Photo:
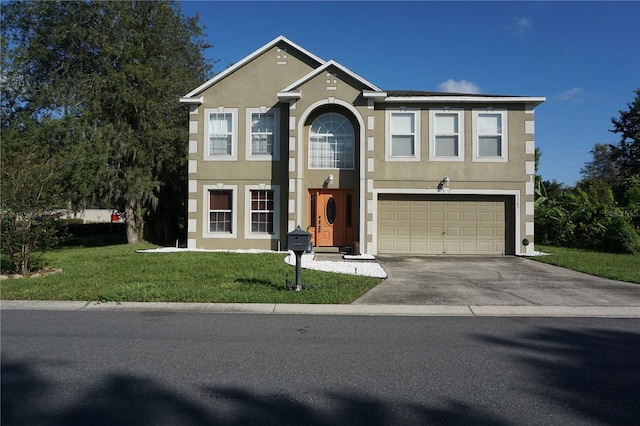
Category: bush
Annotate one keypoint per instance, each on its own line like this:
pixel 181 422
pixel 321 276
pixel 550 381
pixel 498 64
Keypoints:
pixel 620 237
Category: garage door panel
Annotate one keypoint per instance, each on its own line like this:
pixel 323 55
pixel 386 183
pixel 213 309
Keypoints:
pixel 438 227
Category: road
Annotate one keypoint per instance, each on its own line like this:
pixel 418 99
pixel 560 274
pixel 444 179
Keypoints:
pixel 173 368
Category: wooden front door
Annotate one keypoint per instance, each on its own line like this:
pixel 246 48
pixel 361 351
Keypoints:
pixel 331 213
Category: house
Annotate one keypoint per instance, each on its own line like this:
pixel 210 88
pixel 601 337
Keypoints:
pixel 284 138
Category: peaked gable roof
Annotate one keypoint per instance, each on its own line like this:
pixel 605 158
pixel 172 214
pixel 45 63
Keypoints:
pixel 323 68
pixel 189 97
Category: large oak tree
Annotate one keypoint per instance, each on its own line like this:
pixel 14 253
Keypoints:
pixel 113 71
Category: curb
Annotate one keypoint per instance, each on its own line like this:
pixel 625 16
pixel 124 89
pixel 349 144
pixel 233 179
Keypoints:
pixel 312 309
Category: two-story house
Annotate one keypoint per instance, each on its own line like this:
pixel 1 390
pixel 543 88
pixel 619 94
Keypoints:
pixel 284 138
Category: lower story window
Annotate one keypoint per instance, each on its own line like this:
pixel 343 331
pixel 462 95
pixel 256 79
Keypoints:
pixel 220 211
pixel 262 206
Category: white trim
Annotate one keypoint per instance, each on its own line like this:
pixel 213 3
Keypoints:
pixel 465 99
pixel 432 134
pixel 404 191
pixel 323 68
pixel 275 156
pixel 276 212
pixel 417 149
pixel 504 135
pixel 234 211
pixel 248 59
pixel 191 101
pixel 234 134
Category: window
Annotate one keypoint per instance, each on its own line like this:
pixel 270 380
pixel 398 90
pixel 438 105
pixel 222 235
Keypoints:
pixel 221 132
pixel 490 138
pixel 262 134
pixel 331 142
pixel 446 128
pixel 220 211
pixel 262 212
pixel 403 138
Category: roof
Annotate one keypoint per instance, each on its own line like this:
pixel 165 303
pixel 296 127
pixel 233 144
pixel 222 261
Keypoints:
pixel 372 92
pixel 191 96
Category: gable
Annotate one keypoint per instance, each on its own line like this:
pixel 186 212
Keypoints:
pixel 285 51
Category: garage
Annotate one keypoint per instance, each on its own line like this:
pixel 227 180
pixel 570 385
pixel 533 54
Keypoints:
pixel 445 224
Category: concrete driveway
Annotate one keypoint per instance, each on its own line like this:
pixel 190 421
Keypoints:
pixel 501 281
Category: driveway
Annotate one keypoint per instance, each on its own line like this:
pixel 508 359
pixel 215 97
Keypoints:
pixel 503 281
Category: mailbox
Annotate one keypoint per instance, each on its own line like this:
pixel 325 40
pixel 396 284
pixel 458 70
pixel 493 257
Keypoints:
pixel 298 240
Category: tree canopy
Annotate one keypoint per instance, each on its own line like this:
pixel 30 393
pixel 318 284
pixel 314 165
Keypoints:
pixel 627 152
pixel 112 73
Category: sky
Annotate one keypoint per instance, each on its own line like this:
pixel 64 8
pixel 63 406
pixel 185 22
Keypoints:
pixel 583 56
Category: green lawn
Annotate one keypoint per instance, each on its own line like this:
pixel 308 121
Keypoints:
pixel 622 267
pixel 118 273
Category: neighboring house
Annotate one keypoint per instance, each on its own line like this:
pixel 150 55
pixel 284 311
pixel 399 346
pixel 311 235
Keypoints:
pixel 284 138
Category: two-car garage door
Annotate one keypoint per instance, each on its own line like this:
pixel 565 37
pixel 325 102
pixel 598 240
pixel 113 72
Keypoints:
pixel 413 224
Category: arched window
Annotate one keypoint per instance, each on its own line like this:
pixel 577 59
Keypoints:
pixel 331 142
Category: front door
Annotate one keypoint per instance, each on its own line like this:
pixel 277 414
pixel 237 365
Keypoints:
pixel 331 213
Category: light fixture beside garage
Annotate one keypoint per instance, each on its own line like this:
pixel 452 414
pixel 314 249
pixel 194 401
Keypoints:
pixel 328 181
pixel 443 183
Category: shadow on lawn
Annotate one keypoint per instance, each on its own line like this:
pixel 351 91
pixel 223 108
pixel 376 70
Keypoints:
pixel 593 372
pixel 129 400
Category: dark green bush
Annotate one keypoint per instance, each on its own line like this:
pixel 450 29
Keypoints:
pixel 620 237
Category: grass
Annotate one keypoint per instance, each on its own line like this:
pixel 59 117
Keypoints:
pixel 115 272
pixel 621 267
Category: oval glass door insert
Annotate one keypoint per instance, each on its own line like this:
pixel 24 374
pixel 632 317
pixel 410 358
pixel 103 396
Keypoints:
pixel 331 211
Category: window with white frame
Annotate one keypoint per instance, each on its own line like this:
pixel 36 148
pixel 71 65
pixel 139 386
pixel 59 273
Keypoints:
pixel 262 211
pixel 446 128
pixel 490 136
pixel 403 135
pixel 220 212
pixel 262 134
pixel 221 133
pixel 331 142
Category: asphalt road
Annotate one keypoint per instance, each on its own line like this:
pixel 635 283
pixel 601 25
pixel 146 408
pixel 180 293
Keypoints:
pixel 161 368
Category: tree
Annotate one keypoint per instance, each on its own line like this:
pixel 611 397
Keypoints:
pixel 33 191
pixel 602 165
pixel 113 71
pixel 627 152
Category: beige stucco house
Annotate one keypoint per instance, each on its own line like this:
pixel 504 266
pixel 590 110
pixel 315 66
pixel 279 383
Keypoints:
pixel 284 138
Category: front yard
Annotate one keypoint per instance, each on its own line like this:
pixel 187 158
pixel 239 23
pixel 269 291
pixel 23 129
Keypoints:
pixel 118 273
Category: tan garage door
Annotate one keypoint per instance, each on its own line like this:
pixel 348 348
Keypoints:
pixel 418 226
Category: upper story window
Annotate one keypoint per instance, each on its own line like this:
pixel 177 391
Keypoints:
pixel 490 136
pixel 446 128
pixel 262 134
pixel 403 135
pixel 221 133
pixel 331 142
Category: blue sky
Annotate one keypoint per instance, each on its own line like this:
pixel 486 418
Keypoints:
pixel 584 57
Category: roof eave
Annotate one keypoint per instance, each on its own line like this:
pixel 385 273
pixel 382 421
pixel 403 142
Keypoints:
pixel 463 99
pixel 191 101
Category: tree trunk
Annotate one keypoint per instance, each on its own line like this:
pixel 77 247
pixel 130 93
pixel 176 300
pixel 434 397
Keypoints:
pixel 130 218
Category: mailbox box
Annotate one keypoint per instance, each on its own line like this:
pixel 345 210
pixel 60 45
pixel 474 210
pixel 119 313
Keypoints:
pixel 298 240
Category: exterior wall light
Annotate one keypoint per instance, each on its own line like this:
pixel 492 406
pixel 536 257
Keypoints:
pixel 444 182
pixel 328 181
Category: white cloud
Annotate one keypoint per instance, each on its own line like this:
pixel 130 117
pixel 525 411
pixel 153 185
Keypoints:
pixel 458 86
pixel 574 94
pixel 522 25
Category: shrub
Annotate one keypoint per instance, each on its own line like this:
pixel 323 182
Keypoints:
pixel 620 237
